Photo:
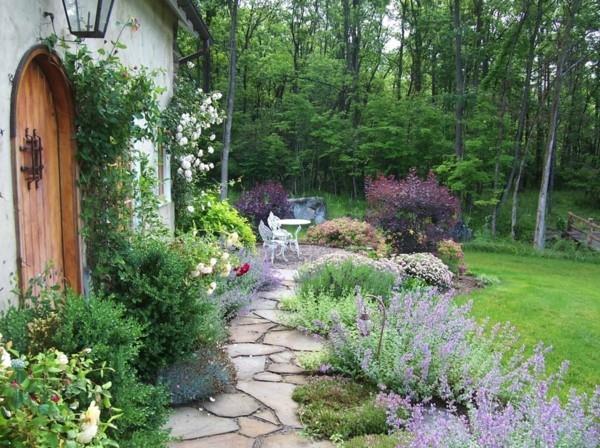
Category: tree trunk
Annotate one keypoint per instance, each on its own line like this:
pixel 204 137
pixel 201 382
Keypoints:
pixel 233 7
pixel 459 148
pixel 564 40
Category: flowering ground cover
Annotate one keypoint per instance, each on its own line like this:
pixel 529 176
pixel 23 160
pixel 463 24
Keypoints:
pixel 557 301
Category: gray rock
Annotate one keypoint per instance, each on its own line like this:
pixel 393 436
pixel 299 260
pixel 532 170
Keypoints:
pixel 313 208
pixel 283 356
pixel 232 405
pixel 190 423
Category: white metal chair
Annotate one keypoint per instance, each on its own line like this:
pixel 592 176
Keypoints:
pixel 282 234
pixel 271 242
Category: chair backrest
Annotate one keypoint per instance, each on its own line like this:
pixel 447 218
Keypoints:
pixel 274 221
pixel 265 233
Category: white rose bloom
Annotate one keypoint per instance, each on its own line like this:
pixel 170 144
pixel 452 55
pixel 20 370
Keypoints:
pixel 200 153
pixel 197 163
pixel 190 65
pixel 186 165
pixel 180 171
pixel 62 359
pixel 226 270
pixel 179 135
pixel 213 261
pixel 179 128
pixel 5 361
pixel 89 424
pixel 190 208
pixel 225 256
pixel 140 123
pixel 188 174
pixel 211 149
pixel 211 288
pixel 212 137
pixel 183 141
pixel 211 165
pixel 87 434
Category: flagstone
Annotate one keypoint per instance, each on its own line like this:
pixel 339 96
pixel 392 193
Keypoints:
pixel 285 368
pixel 294 340
pixel 277 396
pixel 247 349
pixel 299 380
pixel 263 304
pixel 252 427
pixel 247 366
pixel 190 423
pixel 248 333
pixel 283 356
pixel 268 376
pixel 232 405
pixel 225 440
pixel 268 415
pixel 277 316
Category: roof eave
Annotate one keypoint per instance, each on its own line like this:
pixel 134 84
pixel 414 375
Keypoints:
pixel 188 14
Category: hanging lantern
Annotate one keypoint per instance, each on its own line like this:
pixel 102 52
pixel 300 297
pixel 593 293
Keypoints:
pixel 88 18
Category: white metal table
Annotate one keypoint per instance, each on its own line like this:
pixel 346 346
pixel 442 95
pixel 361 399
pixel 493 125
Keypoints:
pixel 295 222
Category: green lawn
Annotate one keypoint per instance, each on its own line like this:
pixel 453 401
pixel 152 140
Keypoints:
pixel 555 301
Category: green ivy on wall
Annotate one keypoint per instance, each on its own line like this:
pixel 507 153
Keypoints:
pixel 115 106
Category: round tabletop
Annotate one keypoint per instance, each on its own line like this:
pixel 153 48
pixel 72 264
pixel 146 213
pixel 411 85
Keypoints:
pixel 294 222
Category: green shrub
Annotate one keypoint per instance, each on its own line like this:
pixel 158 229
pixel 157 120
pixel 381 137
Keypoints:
pixel 348 233
pixel 338 280
pixel 48 400
pixel 312 311
pixel 339 408
pixel 115 339
pixel 157 287
pixel 213 217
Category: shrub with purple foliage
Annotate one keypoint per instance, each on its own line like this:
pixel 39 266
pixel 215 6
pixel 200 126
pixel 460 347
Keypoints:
pixel 257 203
pixel 416 213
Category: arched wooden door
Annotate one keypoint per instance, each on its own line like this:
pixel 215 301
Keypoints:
pixel 44 170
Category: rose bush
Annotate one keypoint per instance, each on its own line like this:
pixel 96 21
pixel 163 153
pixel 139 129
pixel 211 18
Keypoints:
pixel 48 400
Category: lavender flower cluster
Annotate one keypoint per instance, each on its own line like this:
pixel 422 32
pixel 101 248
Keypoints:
pixel 424 348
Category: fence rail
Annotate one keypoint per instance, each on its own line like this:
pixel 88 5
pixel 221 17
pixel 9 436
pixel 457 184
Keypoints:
pixel 586 231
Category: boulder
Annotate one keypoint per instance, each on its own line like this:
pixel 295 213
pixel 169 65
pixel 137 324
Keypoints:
pixel 312 208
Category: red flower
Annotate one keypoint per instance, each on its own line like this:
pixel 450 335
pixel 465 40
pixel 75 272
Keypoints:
pixel 241 270
pixel 55 398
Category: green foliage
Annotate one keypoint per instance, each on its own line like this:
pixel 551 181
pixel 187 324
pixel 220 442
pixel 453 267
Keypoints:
pixel 339 408
pixel 373 441
pixel 101 325
pixel 109 97
pixel 156 286
pixel 49 400
pixel 338 280
pixel 212 217
pixel 312 311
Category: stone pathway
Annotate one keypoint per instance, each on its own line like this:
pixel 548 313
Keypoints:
pixel 258 412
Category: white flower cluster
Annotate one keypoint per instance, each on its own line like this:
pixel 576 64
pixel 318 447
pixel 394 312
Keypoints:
pixel 89 424
pixel 189 130
pixel 221 266
pixel 427 267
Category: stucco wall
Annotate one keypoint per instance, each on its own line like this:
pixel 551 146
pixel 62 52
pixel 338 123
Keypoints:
pixel 22 25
